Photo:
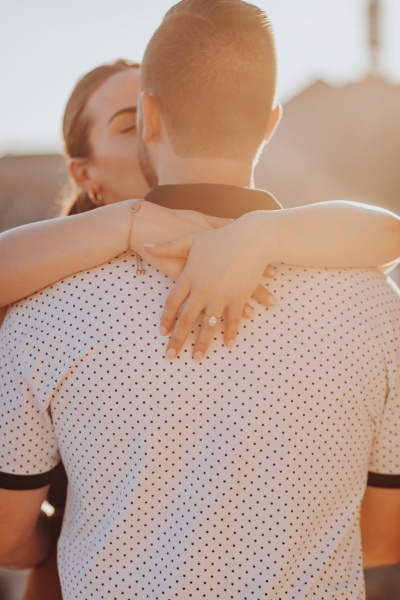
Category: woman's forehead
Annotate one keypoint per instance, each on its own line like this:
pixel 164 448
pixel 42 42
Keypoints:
pixel 117 93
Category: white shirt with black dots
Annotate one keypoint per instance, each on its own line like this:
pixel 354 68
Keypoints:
pixel 240 477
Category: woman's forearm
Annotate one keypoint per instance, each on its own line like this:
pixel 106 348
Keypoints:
pixel 38 254
pixel 331 234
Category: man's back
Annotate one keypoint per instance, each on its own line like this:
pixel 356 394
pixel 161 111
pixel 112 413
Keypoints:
pixel 240 477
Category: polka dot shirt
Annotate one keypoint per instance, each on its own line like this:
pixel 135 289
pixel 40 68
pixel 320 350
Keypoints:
pixel 237 478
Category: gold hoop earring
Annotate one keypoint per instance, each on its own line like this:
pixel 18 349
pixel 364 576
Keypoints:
pixel 96 199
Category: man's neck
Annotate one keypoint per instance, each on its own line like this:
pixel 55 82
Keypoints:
pixel 205 170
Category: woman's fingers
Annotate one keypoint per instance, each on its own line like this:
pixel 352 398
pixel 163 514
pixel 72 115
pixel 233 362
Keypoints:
pixel 217 222
pixel 270 272
pixel 231 322
pixel 175 301
pixel 211 321
pixel 173 249
pixel 188 317
pixel 263 296
pixel 183 307
pixel 183 326
pixel 247 311
pixel 206 279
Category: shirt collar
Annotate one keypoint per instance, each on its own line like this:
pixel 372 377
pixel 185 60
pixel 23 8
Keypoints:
pixel 212 199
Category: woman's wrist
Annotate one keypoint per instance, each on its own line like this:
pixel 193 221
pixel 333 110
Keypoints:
pixel 264 228
pixel 122 226
pixel 149 223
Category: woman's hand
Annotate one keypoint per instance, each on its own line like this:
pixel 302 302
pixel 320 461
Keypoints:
pixel 223 269
pixel 165 225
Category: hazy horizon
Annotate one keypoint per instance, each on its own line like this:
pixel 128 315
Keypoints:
pixel 46 46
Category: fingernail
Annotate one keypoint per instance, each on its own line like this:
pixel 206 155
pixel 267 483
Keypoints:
pixel 231 344
pixel 171 354
pixel 248 311
pixel 163 330
pixel 198 356
pixel 149 245
pixel 273 301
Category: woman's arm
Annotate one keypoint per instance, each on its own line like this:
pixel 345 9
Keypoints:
pixel 38 254
pixel 332 234
pixel 329 234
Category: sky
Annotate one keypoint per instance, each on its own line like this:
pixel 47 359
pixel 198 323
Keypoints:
pixel 46 45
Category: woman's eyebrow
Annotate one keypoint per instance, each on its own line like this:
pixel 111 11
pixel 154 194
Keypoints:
pixel 130 110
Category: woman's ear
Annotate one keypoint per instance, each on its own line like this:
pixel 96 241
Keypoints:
pixel 276 115
pixel 151 118
pixel 80 173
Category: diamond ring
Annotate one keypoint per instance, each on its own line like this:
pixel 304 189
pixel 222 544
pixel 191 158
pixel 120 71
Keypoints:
pixel 212 321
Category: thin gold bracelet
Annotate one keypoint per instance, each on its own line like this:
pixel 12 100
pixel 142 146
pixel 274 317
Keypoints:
pixel 135 207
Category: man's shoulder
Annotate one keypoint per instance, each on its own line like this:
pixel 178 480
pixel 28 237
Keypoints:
pixel 366 291
pixel 69 290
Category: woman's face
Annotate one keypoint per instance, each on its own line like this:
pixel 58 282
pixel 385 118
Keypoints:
pixel 114 166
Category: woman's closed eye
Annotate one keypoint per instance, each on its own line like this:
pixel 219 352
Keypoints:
pixel 128 129
pixel 124 121
pixel 124 124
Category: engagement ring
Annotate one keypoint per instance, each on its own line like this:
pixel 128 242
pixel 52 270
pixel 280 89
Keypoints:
pixel 212 321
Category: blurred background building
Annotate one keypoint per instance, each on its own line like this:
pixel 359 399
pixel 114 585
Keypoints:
pixel 339 143
pixel 336 141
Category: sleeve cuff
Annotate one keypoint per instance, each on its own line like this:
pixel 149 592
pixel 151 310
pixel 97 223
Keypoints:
pixel 383 481
pixel 10 481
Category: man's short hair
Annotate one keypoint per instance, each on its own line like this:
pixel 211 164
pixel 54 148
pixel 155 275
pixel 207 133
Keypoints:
pixel 211 65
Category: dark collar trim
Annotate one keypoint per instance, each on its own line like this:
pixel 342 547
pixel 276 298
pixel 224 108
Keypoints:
pixel 213 199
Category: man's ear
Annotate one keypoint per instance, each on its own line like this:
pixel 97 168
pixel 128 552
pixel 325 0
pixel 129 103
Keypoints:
pixel 80 173
pixel 276 115
pixel 151 118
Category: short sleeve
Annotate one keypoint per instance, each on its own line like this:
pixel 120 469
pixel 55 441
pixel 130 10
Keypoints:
pixel 29 456
pixel 384 466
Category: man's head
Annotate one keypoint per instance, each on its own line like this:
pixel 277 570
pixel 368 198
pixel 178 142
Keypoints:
pixel 211 69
